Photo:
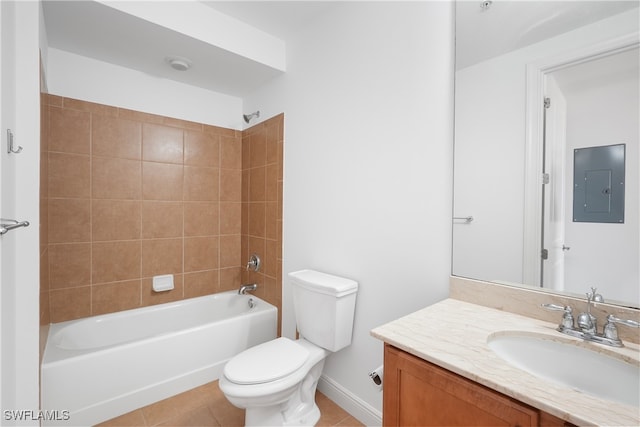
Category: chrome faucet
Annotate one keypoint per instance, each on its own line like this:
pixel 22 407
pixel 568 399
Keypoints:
pixel 587 323
pixel 245 288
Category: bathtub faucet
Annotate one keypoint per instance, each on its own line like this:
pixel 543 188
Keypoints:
pixel 244 288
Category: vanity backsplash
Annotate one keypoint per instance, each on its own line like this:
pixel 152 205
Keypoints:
pixel 528 302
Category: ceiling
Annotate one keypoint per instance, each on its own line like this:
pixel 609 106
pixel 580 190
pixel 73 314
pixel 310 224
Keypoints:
pixel 503 26
pixel 102 32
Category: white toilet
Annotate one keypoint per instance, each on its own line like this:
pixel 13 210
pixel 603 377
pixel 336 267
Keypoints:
pixel 276 381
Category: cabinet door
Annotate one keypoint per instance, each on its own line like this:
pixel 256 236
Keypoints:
pixel 418 393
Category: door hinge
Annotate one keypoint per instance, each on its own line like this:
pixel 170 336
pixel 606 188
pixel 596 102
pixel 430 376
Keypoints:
pixel 544 254
pixel 545 178
pixel 547 102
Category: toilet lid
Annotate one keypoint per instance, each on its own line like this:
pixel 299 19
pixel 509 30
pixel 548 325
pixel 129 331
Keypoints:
pixel 266 362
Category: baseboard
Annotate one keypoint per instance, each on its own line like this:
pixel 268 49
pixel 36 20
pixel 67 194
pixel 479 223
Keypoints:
pixel 358 408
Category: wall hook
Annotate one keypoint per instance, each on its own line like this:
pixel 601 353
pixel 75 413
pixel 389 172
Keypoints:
pixel 10 148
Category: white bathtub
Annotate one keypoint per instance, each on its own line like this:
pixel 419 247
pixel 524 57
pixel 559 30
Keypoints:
pixel 104 366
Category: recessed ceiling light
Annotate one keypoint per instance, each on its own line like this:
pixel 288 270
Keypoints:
pixel 178 63
pixel 485 5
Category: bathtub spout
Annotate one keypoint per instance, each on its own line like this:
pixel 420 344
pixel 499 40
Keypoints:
pixel 245 288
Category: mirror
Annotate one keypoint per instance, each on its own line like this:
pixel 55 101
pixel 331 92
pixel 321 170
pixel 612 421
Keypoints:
pixel 514 184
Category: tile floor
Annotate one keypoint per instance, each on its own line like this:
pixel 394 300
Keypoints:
pixel 207 406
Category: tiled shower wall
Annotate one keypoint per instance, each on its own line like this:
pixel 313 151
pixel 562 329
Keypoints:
pixel 131 195
pixel 262 147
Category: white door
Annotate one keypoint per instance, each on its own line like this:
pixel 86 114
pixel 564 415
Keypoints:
pixel 19 200
pixel 554 190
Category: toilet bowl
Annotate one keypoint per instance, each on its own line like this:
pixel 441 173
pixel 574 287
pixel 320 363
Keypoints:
pixel 279 386
pixel 275 382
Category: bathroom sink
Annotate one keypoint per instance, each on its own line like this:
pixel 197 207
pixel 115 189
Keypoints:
pixel 569 363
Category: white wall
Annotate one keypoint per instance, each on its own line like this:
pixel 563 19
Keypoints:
pixel 605 255
pixel 489 151
pixel 79 77
pixel 368 167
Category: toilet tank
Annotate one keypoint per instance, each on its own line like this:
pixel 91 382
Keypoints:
pixel 324 307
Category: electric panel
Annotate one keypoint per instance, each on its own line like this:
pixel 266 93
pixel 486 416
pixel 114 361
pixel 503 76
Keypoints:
pixel 598 184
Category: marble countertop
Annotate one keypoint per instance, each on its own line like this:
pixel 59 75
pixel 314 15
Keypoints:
pixel 453 334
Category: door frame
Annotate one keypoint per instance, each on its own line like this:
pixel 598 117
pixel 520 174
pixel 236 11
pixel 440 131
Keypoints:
pixel 20 287
pixel 534 95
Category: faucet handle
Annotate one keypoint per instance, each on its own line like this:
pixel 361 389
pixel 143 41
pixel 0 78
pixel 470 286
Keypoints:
pixel 556 307
pixel 567 317
pixel 611 331
pixel 627 322
pixel 253 263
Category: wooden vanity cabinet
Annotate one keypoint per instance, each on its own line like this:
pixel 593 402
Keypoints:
pixel 419 393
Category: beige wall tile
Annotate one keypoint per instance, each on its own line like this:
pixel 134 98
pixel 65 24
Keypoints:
pixel 44 174
pixel 53 100
pixel 257 184
pixel 258 150
pixel 116 137
pixel 246 151
pixel 115 220
pixel 230 278
pixel 272 144
pixel 69 130
pixel 45 317
pixel 161 256
pixel 230 152
pixel 162 143
pixel 201 283
pixel 69 220
pixel 257 224
pixel 271 220
pixel 271 183
pixel 69 175
pixel 201 183
pixel 91 107
pixel 246 174
pixel 230 184
pixel 44 270
pixel 139 116
pixel 69 304
pixel 115 261
pixel 201 149
pixel 230 218
pixel 270 258
pixel 200 253
pixel 230 247
pixel 182 124
pixel 115 178
pixel 161 181
pixel 201 218
pixel 112 297
pixel 225 132
pixel 69 265
pixel 161 219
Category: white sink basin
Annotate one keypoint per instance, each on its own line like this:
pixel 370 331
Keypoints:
pixel 568 363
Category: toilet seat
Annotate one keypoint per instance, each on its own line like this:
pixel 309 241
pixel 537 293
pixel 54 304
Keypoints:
pixel 266 362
